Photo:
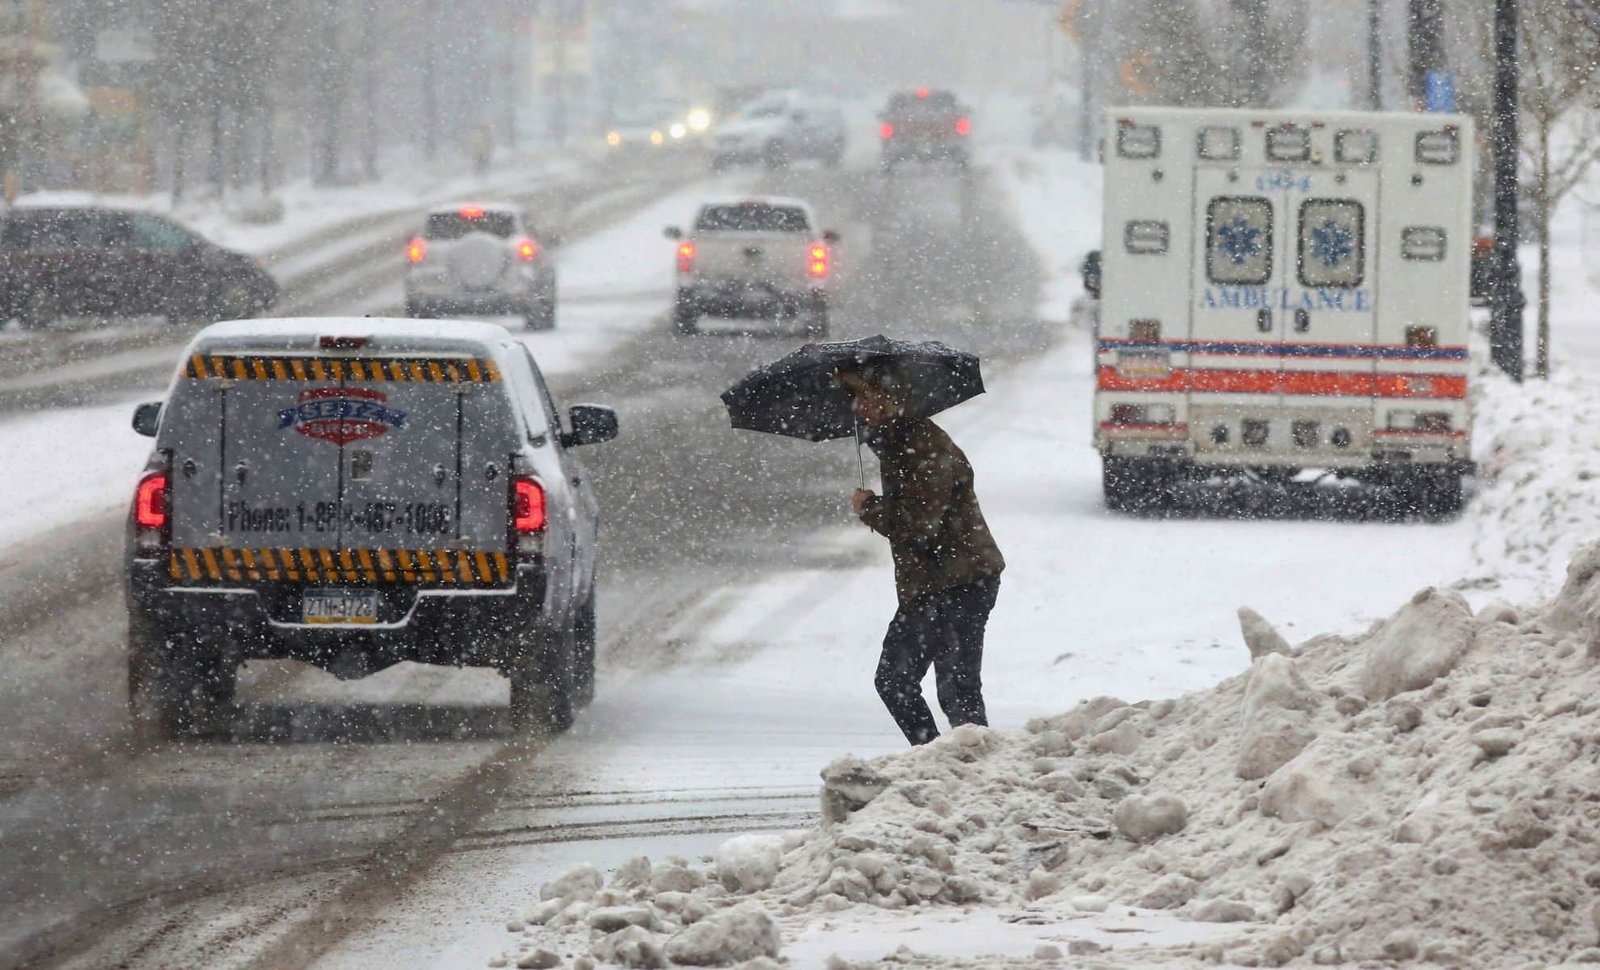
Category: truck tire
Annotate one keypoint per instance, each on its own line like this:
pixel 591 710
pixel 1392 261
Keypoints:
pixel 541 684
pixel 177 689
pixel 586 639
pixel 685 315
pixel 1136 485
pixel 1434 495
pixel 540 315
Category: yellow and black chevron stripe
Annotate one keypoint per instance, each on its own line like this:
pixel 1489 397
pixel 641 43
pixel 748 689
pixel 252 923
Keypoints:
pixel 447 370
pixel 432 567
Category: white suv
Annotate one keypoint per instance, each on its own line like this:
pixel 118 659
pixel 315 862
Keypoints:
pixel 475 258
pixel 760 257
pixel 779 128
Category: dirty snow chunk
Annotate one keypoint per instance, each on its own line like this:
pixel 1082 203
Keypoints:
pixel 1272 739
pixel 1169 892
pixel 634 946
pixel 1311 787
pixel 1090 904
pixel 744 932
pixel 674 878
pixel 540 959
pixel 849 785
pixel 1276 683
pixel 1418 645
pixel 1121 740
pixel 1495 743
pixel 1223 911
pixel 581 881
pixel 1145 819
pixel 634 872
pixel 1261 637
pixel 749 863
pixel 1046 951
pixel 609 919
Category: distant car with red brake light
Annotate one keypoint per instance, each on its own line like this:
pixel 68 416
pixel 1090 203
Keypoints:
pixel 924 125
pixel 473 258
pixel 354 493
pixel 757 257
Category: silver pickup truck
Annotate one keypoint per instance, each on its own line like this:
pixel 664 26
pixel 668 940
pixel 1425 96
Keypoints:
pixel 353 493
pixel 760 257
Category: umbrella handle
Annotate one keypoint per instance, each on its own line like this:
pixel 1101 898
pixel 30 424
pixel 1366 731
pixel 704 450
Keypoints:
pixel 861 466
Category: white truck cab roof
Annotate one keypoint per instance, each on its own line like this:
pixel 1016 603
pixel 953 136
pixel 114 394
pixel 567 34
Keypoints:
pixel 381 335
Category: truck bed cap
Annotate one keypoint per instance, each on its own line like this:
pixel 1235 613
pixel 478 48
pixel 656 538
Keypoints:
pixel 387 335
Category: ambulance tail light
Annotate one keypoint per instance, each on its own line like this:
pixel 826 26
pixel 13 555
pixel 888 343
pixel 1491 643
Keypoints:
pixel 686 253
pixel 1143 414
pixel 528 515
pixel 152 516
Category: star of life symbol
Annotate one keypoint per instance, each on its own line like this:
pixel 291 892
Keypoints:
pixel 1332 242
pixel 1239 240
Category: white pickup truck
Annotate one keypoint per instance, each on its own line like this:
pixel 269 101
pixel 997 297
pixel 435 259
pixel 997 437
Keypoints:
pixel 759 257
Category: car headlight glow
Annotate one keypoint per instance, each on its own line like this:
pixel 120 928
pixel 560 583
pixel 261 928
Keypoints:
pixel 678 130
pixel 699 119
pixel 613 138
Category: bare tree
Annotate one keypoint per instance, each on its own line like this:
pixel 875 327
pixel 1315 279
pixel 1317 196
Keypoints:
pixel 1560 92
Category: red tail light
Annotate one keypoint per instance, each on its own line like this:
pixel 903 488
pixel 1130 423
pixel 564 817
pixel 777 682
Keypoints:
pixel 527 250
pixel 686 253
pixel 150 501
pixel 818 264
pixel 886 131
pixel 416 249
pixel 472 212
pixel 527 506
pixel 922 92
pixel 963 127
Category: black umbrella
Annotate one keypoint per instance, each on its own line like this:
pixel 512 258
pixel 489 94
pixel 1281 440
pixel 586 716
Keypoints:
pixel 798 395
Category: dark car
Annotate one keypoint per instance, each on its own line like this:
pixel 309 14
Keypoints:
pixel 88 261
pixel 924 126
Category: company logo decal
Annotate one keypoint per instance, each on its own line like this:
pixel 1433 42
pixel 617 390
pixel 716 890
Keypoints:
pixel 1239 240
pixel 341 414
pixel 1332 243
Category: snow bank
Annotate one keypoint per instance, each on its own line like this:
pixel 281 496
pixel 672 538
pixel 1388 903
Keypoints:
pixel 1436 799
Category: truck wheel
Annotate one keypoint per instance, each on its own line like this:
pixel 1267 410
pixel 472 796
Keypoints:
pixel 685 315
pixel 586 637
pixel 541 684
pixel 541 315
pixel 1432 494
pixel 176 689
pixel 1134 485
pixel 817 318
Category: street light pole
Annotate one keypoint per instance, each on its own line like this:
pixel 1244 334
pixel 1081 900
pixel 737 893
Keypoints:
pixel 1505 327
pixel 1374 55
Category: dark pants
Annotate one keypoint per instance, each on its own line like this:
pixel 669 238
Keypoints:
pixel 944 629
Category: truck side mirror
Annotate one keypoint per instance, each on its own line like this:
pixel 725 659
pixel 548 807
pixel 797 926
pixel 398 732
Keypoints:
pixel 591 424
pixel 672 232
pixel 831 237
pixel 147 418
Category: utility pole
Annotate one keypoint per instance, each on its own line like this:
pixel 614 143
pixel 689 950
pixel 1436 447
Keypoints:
pixel 1425 47
pixel 1375 55
pixel 1505 327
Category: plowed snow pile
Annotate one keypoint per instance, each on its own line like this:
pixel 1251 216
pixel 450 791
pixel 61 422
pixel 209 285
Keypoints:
pixel 1428 791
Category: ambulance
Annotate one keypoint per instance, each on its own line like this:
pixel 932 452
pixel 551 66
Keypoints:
pixel 1284 293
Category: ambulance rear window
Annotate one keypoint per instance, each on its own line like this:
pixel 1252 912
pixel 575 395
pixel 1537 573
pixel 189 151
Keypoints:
pixel 1288 143
pixel 1332 252
pixel 1239 240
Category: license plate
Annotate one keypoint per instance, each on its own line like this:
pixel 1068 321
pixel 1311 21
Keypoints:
pixel 339 606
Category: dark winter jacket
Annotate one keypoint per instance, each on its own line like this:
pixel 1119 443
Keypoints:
pixel 928 511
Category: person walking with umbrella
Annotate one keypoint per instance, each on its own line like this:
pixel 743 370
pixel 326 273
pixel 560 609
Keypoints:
pixel 946 563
